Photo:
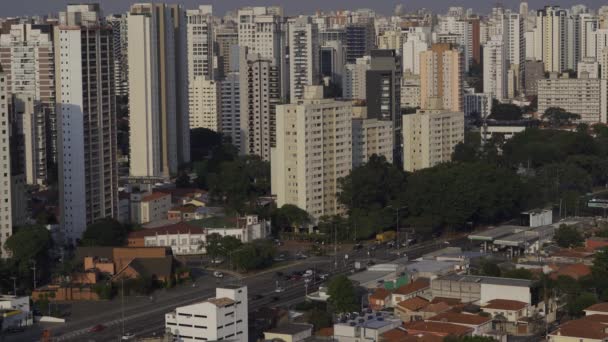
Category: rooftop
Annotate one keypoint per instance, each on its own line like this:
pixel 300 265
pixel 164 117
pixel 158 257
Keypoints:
pixel 400 335
pixel 413 304
pixel 220 302
pixel 154 196
pixel 437 327
pixel 601 307
pixel 498 232
pixel 380 294
pixel 430 266
pixel 415 286
pixel 216 222
pixel 505 304
pixel 291 329
pixel 369 276
pixel 460 318
pixel 487 280
pixel 582 329
pixel 177 228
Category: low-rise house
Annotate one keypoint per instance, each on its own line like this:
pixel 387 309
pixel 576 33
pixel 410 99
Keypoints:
pixel 571 256
pixel 592 328
pixel 595 242
pixel 575 271
pixel 367 328
pixel 409 309
pixel 411 290
pixel 431 269
pixel 401 335
pixel 481 289
pixel 291 332
pixel 481 325
pixel 597 309
pixel 379 299
pixel 149 207
pixel 437 328
pixel 508 315
pixel 181 196
pixel 186 212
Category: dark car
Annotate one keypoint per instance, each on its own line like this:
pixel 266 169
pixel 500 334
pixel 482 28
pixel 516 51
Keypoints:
pixel 97 328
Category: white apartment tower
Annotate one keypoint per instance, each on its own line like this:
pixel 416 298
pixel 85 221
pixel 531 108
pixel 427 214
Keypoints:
pixel 86 112
pixel 223 318
pixel 12 180
pixel 430 136
pixel 552 25
pixel 370 136
pixel 313 151
pixel 158 90
pixel 411 54
pixel 303 56
pixel 260 92
pixel 26 55
pixel 205 104
pixel 120 51
pixel 200 58
pixel 495 68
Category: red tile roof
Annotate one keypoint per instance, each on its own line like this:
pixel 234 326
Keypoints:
pixel 188 208
pixel 437 307
pixel 505 304
pixel 400 335
pixel 602 307
pixel 582 329
pixel 413 287
pixel 178 228
pixel 154 196
pixel 575 271
pixel 460 318
pixel 413 304
pixel 597 318
pixel 325 332
pixel 448 301
pixel 437 327
pixel 380 294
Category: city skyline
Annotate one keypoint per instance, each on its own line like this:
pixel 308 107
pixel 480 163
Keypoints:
pixel 41 7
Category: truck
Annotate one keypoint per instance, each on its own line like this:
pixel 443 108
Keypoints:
pixel 386 236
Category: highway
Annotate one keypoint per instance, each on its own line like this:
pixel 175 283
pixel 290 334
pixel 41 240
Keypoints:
pixel 144 316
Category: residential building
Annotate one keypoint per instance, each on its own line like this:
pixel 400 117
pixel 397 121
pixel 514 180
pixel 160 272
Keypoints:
pixel 332 61
pixel 481 325
pixel 230 108
pixel 442 329
pixel 158 90
pixel 480 289
pixel 411 53
pixel 314 150
pixel 199 27
pixel 410 91
pixel 226 39
pixel 535 71
pixel 479 103
pixel 149 207
pixel 379 299
pixel 120 53
pixel 16 312
pixel 12 178
pixel 360 40
pixel 441 77
pixel 27 58
pixel 584 96
pixel 370 136
pixel 86 112
pixel 414 289
pixel 303 56
pixel 586 329
pixel 409 309
pixel 205 104
pixel 392 40
pixel 588 67
pixel 354 83
pixel 430 136
pixel 501 130
pixel 551 25
pixel 383 93
pixel 290 332
pixel 224 317
pixel 260 92
pixel 365 328
pixel 495 69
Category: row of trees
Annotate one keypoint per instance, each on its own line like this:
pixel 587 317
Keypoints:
pixel 241 256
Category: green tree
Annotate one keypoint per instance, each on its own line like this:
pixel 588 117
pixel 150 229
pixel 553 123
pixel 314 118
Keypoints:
pixel 505 112
pixel 490 269
pixel 518 273
pixel 182 180
pixel 580 303
pixel 342 294
pixel 105 232
pixel 29 243
pixel 218 246
pixel 568 236
pixel 599 270
pixel 319 318
pixel 290 216
pixel 567 285
pixel 202 142
pixel 558 117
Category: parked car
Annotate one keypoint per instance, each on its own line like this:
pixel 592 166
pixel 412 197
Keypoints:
pixel 323 276
pixel 97 328
pixel 217 261
pixel 279 289
pixel 128 336
pixel 218 274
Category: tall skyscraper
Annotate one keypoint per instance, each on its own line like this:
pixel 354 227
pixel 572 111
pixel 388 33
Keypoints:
pixel 332 60
pixel 360 40
pixel 314 150
pixel 88 172
pixel 303 56
pixel 200 44
pixel 411 53
pixel 552 24
pixel 495 68
pixel 226 37
pixel 158 90
pixel 441 77
pixel 260 85
pixel 26 55
pixel 230 106
pixel 383 89
pixel 205 104
pixel 12 178
pixel 120 53
pixel 355 79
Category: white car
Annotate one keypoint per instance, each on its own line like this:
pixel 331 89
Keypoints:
pixel 279 290
pixel 218 274
pixel 127 336
pixel 217 261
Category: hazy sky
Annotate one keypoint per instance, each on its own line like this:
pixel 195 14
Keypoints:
pixel 29 7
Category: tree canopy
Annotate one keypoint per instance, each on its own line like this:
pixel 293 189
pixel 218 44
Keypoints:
pixel 559 117
pixel 342 294
pixel 505 112
pixel 105 232
pixel 568 236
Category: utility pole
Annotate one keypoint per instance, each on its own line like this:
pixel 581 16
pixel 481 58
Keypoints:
pixel 34 269
pixel 14 286
pixel 335 247
pixel 122 304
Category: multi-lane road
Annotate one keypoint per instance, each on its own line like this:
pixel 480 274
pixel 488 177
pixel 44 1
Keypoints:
pixel 144 316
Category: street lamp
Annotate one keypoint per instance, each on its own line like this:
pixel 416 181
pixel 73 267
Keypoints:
pixel 397 209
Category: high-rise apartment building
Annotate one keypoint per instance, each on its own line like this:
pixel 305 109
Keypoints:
pixel 303 56
pixel 230 107
pixel 332 61
pixel 200 43
pixel 383 92
pixel 205 104
pixel 86 112
pixel 552 26
pixel 360 40
pixel 410 91
pixel 411 53
pixel 370 136
pixel 585 96
pixel 430 136
pixel 12 179
pixel 495 68
pixel 226 38
pixel 158 90
pixel 120 53
pixel 260 91
pixel 26 55
pixel 313 151
pixel 441 77
pixel 354 82
pixel 224 317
